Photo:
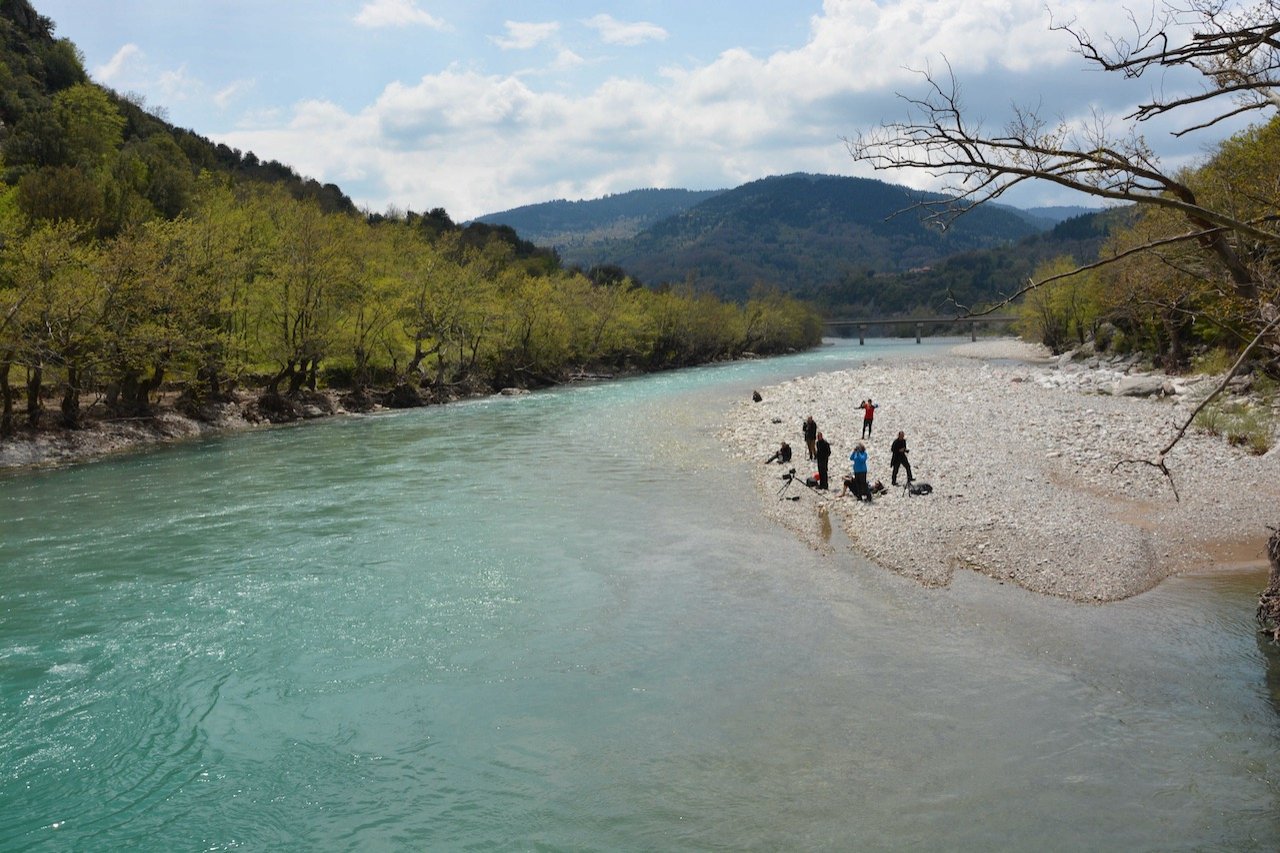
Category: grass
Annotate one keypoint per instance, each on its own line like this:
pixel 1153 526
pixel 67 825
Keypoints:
pixel 1244 426
pixel 1214 362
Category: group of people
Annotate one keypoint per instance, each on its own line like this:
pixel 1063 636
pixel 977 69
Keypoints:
pixel 819 450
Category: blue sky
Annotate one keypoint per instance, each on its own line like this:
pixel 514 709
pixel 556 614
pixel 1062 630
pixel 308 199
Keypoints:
pixel 480 106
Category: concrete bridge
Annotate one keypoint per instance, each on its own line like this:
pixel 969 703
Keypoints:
pixel 974 323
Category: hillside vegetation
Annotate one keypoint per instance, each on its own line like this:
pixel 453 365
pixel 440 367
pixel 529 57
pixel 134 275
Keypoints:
pixel 802 234
pixel 135 257
pixel 578 230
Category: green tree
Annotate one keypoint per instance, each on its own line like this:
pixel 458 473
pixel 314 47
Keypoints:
pixel 92 126
pixel 58 315
pixel 309 262
pixel 373 294
pixel 1064 311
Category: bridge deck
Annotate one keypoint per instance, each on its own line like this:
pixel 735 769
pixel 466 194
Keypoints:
pixel 920 323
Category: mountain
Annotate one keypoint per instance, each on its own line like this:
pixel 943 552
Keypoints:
pixel 63 175
pixel 798 232
pixel 1047 217
pixel 581 227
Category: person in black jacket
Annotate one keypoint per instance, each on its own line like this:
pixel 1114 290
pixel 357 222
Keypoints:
pixel 822 454
pixel 810 430
pixel 898 458
pixel 782 456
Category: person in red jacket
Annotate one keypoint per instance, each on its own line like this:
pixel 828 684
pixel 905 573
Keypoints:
pixel 868 415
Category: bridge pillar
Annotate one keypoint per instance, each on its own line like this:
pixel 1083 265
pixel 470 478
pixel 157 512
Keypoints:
pixel 918 325
pixel 862 334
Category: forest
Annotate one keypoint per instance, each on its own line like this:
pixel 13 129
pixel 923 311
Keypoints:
pixel 1149 289
pixel 138 259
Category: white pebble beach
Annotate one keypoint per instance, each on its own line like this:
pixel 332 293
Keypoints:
pixel 1021 451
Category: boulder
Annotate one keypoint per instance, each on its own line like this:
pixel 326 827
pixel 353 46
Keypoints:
pixel 1138 386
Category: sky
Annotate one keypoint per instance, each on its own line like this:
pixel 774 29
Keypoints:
pixel 479 106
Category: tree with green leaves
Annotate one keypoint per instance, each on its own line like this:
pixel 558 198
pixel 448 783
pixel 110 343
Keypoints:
pixel 298 295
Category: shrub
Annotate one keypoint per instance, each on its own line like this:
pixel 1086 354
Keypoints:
pixel 1213 362
pixel 1249 428
pixel 1209 419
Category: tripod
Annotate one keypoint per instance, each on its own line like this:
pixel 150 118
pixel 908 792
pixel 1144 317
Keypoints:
pixel 787 479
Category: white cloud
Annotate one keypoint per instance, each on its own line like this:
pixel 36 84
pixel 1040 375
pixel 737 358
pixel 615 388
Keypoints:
pixel 396 13
pixel 475 143
pixel 117 64
pixel 567 59
pixel 177 85
pixel 224 96
pixel 523 36
pixel 613 31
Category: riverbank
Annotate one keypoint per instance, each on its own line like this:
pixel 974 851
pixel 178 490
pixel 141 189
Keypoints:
pixel 1022 453
pixel 102 437
pixel 99 437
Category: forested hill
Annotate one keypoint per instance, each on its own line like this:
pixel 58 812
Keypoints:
pixel 579 228
pixel 968 279
pixel 157 164
pixel 800 232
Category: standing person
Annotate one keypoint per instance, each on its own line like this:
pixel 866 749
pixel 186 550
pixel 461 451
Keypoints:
pixel 868 415
pixel 859 459
pixel 822 452
pixel 810 430
pixel 898 458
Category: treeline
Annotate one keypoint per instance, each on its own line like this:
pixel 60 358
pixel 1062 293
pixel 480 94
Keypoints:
pixel 967 280
pixel 249 284
pixel 1157 291
pixel 135 257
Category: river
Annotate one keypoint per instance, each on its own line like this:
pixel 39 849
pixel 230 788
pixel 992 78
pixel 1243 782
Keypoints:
pixel 557 622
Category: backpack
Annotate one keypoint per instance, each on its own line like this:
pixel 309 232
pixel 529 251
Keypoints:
pixel 919 489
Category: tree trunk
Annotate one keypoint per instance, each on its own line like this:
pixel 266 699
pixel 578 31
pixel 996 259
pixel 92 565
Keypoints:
pixel 1269 601
pixel 71 400
pixel 273 384
pixel 128 395
pixel 34 380
pixel 296 378
pixel 150 387
pixel 6 397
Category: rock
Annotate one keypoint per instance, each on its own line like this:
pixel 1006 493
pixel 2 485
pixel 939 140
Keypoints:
pixel 1138 386
pixel 513 392
pixel 402 396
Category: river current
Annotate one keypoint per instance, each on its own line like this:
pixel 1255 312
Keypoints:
pixel 558 622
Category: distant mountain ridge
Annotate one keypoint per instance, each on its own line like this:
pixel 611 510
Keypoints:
pixel 799 232
pixel 570 226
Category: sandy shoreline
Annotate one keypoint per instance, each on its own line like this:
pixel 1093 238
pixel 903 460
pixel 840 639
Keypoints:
pixel 1020 456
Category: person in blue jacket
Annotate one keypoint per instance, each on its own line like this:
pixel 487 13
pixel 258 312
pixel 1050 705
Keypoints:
pixel 859 459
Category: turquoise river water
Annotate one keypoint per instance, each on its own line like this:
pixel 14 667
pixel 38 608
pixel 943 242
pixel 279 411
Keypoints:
pixel 557 622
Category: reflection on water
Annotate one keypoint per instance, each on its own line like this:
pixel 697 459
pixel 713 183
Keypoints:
pixel 1270 653
pixel 824 523
pixel 558 622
